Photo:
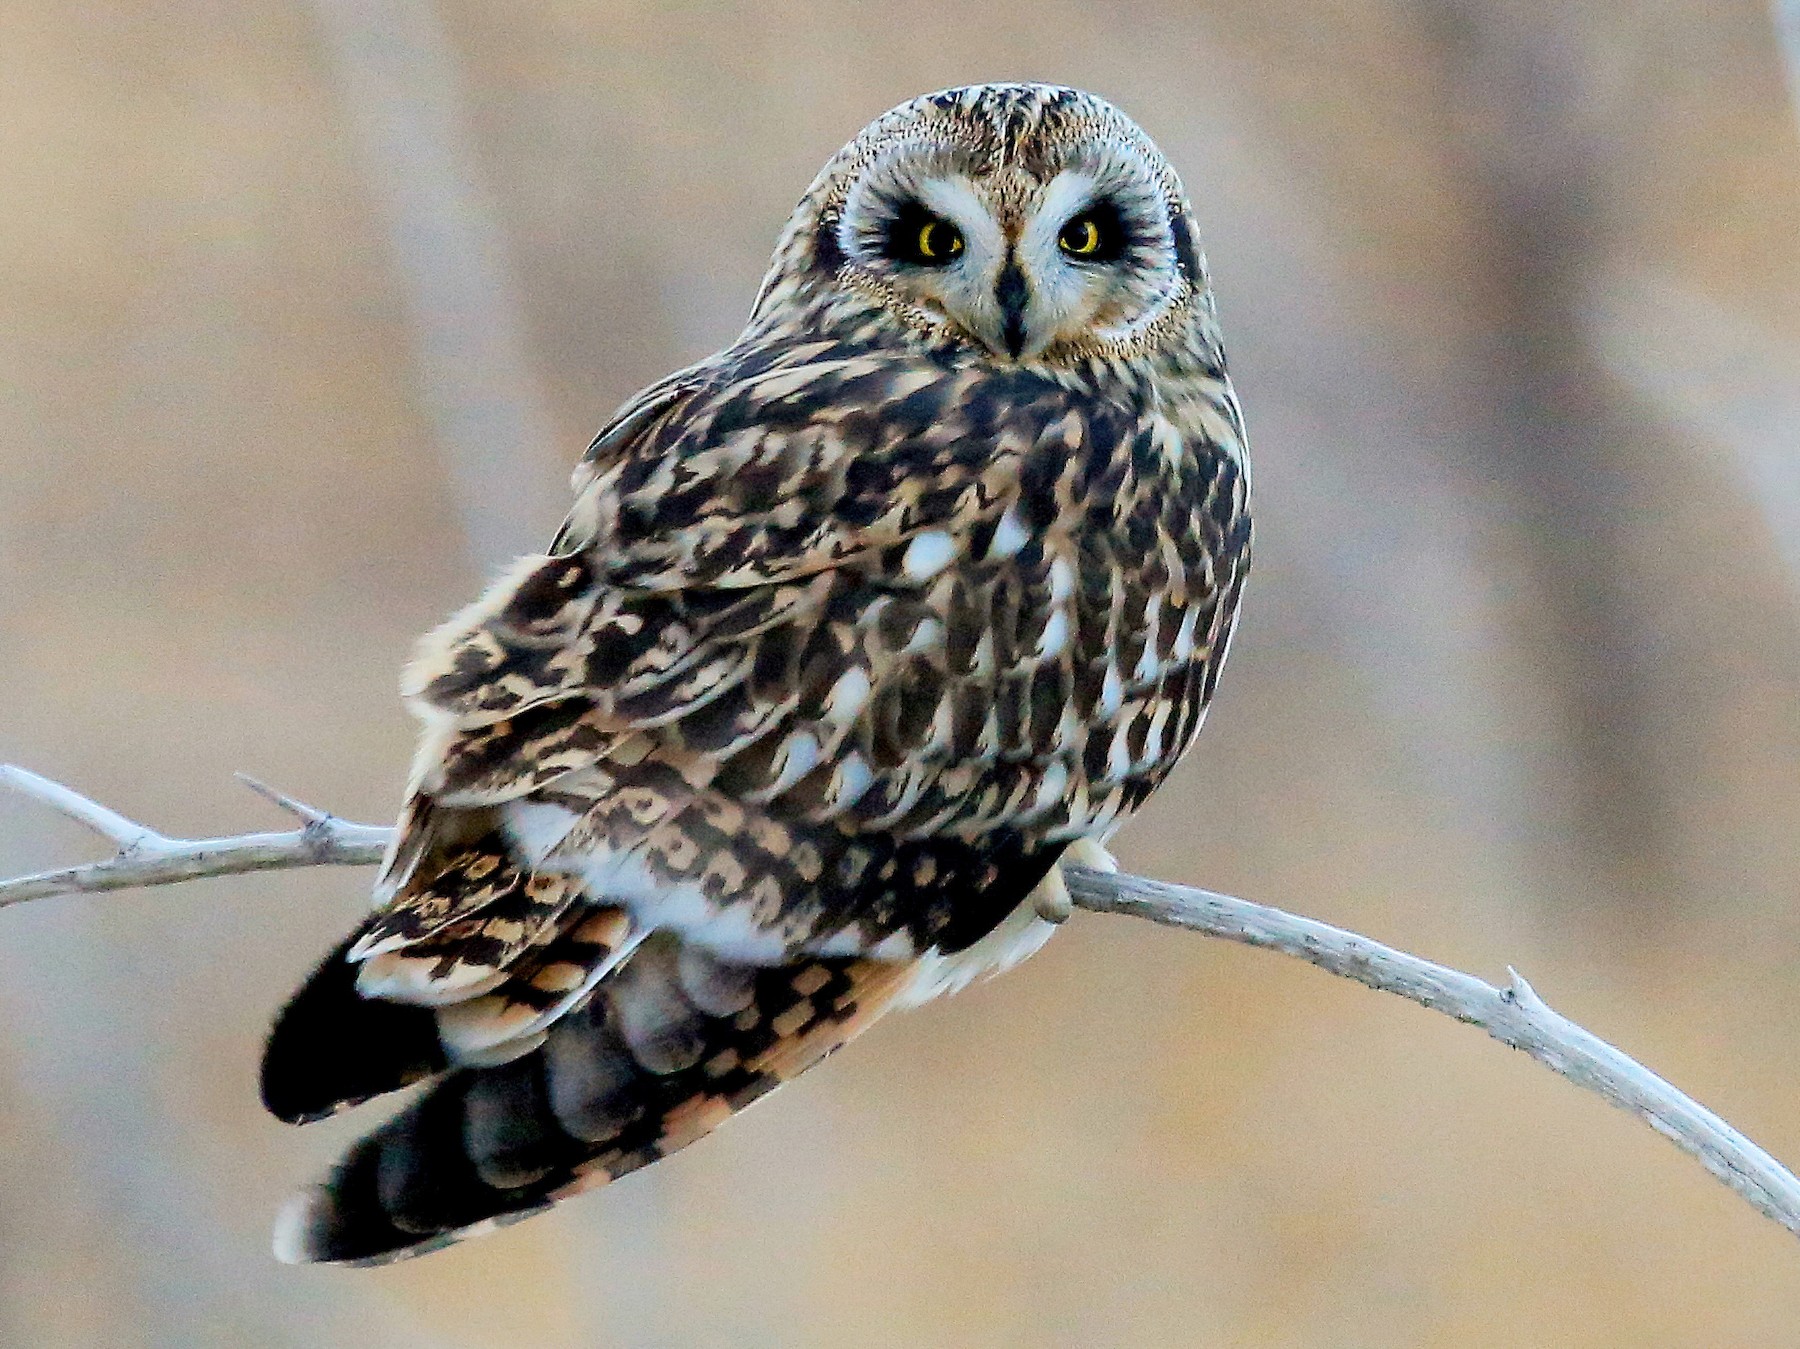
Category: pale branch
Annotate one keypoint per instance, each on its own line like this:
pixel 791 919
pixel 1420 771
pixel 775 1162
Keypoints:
pixel 1514 1015
pixel 145 857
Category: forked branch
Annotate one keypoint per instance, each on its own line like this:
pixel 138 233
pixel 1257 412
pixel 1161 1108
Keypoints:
pixel 1514 1015
pixel 145 857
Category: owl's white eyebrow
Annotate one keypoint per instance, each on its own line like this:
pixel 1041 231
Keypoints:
pixel 1068 192
pixel 952 197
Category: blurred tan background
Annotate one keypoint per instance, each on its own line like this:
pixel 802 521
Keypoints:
pixel 306 306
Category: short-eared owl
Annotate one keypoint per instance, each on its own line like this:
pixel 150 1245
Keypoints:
pixel 855 632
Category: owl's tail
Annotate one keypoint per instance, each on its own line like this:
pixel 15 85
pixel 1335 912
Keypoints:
pixel 648 1065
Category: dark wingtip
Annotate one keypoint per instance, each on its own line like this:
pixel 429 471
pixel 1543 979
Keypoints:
pixel 331 1047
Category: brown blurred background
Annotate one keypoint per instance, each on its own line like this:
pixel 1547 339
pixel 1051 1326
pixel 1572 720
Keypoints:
pixel 305 309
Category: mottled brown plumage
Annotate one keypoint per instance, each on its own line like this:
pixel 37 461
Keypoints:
pixel 852 630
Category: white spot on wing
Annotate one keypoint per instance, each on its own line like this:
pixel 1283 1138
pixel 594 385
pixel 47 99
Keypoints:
pixel 848 695
pixel 799 756
pixel 1112 692
pixel 1077 809
pixel 490 1055
pixel 847 941
pixel 928 554
pixel 854 777
pixel 1103 820
pixel 943 725
pixel 1009 535
pixel 1153 741
pixel 982 662
pixel 1168 440
pixel 1184 635
pixel 987 741
pixel 1148 664
pixel 1050 787
pixel 1118 755
pixel 927 634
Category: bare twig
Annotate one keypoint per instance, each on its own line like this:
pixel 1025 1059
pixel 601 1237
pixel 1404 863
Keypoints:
pixel 146 857
pixel 1514 1015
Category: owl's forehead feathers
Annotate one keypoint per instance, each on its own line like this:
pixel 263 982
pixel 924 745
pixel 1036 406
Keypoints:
pixel 1010 135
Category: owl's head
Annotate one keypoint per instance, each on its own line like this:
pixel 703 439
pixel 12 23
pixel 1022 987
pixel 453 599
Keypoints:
pixel 1033 222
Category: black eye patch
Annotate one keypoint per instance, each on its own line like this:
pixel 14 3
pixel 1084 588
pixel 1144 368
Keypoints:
pixel 1097 233
pixel 921 238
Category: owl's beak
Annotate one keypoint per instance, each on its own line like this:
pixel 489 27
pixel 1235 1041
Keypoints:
pixel 1013 294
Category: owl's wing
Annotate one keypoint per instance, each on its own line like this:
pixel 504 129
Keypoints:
pixel 761 547
pixel 640 747
pixel 795 458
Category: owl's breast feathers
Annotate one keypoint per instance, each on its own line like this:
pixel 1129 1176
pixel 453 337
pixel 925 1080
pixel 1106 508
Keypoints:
pixel 836 653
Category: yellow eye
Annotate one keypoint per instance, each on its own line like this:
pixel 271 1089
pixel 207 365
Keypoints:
pixel 921 238
pixel 938 241
pixel 1081 237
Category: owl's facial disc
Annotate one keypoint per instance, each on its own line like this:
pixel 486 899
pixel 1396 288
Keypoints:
pixel 1030 267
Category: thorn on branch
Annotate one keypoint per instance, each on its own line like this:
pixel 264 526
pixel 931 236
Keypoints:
pixel 1521 993
pixel 313 819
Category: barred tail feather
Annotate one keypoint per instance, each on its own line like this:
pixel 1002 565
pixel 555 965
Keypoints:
pixel 669 1047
